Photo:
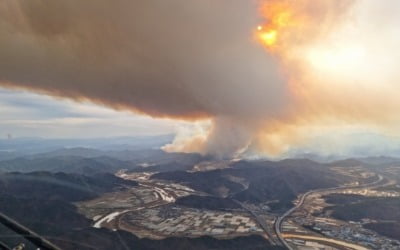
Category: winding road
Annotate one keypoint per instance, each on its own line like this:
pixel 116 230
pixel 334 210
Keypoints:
pixel 280 219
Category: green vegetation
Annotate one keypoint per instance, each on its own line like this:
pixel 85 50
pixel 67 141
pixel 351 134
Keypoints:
pixel 389 229
pixel 279 181
pixel 355 208
pixel 207 202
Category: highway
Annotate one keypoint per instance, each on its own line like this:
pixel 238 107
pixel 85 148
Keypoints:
pixel 280 219
pixel 260 221
pixel 322 239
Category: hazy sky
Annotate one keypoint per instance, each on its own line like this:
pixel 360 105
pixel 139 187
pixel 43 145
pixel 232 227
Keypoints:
pixel 24 114
pixel 258 75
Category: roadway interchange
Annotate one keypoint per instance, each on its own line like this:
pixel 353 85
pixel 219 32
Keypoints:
pixel 268 232
pixel 279 221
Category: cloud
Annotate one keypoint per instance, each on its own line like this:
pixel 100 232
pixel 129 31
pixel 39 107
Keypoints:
pixel 198 60
pixel 178 59
pixel 26 114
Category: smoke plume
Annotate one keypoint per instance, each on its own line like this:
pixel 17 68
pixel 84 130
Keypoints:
pixel 202 61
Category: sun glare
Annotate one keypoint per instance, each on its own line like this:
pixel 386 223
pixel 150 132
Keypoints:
pixel 269 37
pixel 338 61
pixel 278 17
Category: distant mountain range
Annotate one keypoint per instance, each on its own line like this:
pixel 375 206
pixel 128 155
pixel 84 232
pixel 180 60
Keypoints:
pixel 41 180
pixel 27 146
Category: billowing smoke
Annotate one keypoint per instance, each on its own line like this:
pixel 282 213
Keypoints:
pixel 197 61
pixel 162 58
pixel 178 59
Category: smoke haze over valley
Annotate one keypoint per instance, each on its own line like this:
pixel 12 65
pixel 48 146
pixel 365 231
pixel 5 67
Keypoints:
pixel 273 80
pixel 201 125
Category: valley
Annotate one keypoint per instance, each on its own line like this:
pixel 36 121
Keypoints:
pixel 194 202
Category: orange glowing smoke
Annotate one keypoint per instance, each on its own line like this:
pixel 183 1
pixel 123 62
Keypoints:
pixel 267 37
pixel 279 16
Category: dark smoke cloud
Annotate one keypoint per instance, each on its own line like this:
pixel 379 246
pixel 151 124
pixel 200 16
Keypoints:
pixel 175 58
pixel 178 59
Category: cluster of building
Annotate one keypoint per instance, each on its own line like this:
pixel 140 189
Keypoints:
pixel 329 228
pixel 336 229
pixel 372 193
pixel 351 232
pixel 393 170
pixel 305 221
pixel 178 221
